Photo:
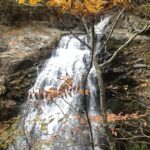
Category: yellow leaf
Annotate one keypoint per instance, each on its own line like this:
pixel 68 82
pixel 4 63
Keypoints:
pixel 80 7
pixel 84 91
pixel 21 1
pixel 33 2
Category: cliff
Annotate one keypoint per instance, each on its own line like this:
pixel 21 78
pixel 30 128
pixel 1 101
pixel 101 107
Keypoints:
pixel 21 51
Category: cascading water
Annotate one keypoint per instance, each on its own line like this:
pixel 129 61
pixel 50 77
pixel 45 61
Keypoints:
pixel 54 116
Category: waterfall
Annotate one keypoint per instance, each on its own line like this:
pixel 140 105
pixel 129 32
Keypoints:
pixel 54 115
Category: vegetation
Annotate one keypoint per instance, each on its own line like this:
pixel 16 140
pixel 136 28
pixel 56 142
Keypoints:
pixel 130 127
pixel 82 7
pixel 8 132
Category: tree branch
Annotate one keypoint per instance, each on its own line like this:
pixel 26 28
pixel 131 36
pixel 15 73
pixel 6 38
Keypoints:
pixel 102 97
pixel 85 81
pixel 88 46
pixel 117 19
pixel 121 48
pixel 85 25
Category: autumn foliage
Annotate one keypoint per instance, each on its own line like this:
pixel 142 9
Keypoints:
pixel 78 7
pixel 111 118
pixel 65 89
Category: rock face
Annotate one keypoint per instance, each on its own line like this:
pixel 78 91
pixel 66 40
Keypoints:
pixel 130 22
pixel 120 36
pixel 21 50
pixel 12 14
pixel 129 73
pixel 127 25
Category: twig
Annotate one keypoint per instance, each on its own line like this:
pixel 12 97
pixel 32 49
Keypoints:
pixel 110 34
pixel 62 112
pixel 121 48
pixel 26 138
pixel 69 105
pixel 88 46
pixel 85 25
pixel 130 138
pixel 85 81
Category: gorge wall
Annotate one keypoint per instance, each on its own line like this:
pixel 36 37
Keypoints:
pixel 23 48
pixel 26 40
pixel 21 51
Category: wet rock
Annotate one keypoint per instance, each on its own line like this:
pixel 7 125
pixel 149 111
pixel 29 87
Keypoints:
pixel 12 14
pixel 120 36
pixel 137 66
pixel 139 61
pixel 3 45
pixel 8 108
pixel 147 74
pixel 24 49
pixel 130 22
pixel 126 27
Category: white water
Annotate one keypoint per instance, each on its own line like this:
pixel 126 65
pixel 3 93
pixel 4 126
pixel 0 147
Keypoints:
pixel 68 59
pixel 50 121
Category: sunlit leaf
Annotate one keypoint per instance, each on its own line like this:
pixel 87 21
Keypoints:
pixel 86 92
pixel 21 1
pixel 82 7
pixel 33 2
